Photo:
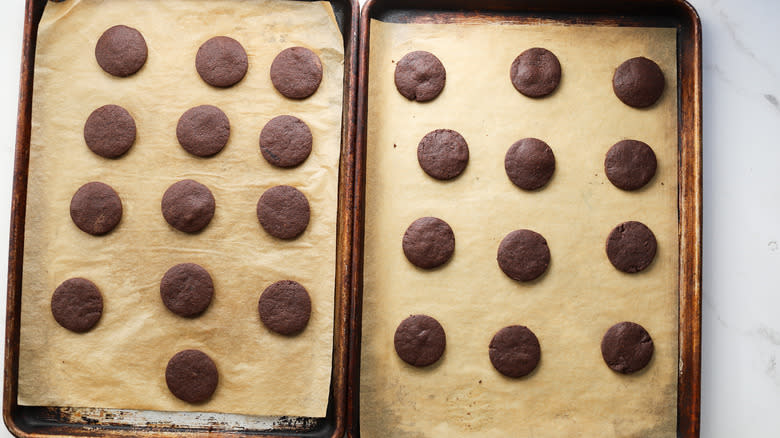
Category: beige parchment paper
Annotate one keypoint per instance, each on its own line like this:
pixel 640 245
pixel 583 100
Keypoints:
pixel 572 393
pixel 121 362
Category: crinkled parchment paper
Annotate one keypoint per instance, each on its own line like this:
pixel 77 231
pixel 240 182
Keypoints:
pixel 121 362
pixel 572 393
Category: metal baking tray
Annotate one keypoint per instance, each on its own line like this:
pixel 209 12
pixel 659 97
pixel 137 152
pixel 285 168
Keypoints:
pixel 667 13
pixel 30 421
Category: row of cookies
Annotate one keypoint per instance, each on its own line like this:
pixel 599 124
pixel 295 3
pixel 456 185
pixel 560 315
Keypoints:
pixel 515 351
pixel 188 206
pixel 443 154
pixel 203 131
pixel 523 255
pixel 536 73
pixel 296 72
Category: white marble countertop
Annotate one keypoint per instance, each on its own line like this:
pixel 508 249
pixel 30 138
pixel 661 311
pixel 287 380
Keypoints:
pixel 741 309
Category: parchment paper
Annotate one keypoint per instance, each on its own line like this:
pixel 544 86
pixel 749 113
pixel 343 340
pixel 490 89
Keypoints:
pixel 572 393
pixel 121 362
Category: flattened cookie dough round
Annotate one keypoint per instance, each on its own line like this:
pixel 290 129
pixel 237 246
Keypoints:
pixel 283 212
pixel 523 255
pixel 285 141
pixel 186 289
pixel 221 62
pixel 77 304
pixel 443 154
pixel 188 206
pixel 515 351
pixel 285 307
pixel 631 247
pixel 630 164
pixel 638 82
pixel 420 76
pixel 296 72
pixel 109 131
pixel 121 51
pixel 536 72
pixel 420 340
pixel 191 376
pixel 96 208
pixel 627 347
pixel 429 242
pixel 203 130
pixel 529 163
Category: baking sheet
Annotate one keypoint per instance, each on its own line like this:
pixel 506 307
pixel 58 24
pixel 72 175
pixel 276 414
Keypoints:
pixel 572 393
pixel 121 362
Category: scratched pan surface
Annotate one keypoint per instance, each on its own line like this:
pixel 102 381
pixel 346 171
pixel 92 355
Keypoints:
pixel 666 13
pixel 31 421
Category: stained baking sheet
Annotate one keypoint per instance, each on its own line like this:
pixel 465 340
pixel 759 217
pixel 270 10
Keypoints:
pixel 121 362
pixel 572 393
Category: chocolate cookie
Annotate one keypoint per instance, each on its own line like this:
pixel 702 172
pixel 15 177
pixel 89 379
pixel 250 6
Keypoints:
pixel 188 206
pixel 420 76
pixel 529 163
pixel 536 72
pixel 523 255
pixel 296 72
pixel 192 376
pixel 627 347
pixel 77 304
pixel 109 131
pixel 121 51
pixel 443 154
pixel 203 130
pixel 221 61
pixel 515 351
pixel 420 340
pixel 630 164
pixel 429 242
pixel 631 247
pixel 96 208
pixel 638 82
pixel 285 141
pixel 285 307
pixel 283 212
pixel 186 289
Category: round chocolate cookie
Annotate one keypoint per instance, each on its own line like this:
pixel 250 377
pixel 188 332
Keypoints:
pixel 536 72
pixel 429 242
pixel 188 206
pixel 630 164
pixel 443 154
pixel 186 289
pixel 627 347
pixel 203 130
pixel 515 351
pixel 96 208
pixel 420 340
pixel 285 307
pixel 192 376
pixel 296 72
pixel 529 163
pixel 77 304
pixel 109 131
pixel 283 212
pixel 121 51
pixel 638 82
pixel 221 61
pixel 420 76
pixel 631 247
pixel 523 255
pixel 285 141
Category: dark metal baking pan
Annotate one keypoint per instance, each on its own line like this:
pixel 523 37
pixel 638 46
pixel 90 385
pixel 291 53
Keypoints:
pixel 667 13
pixel 35 421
